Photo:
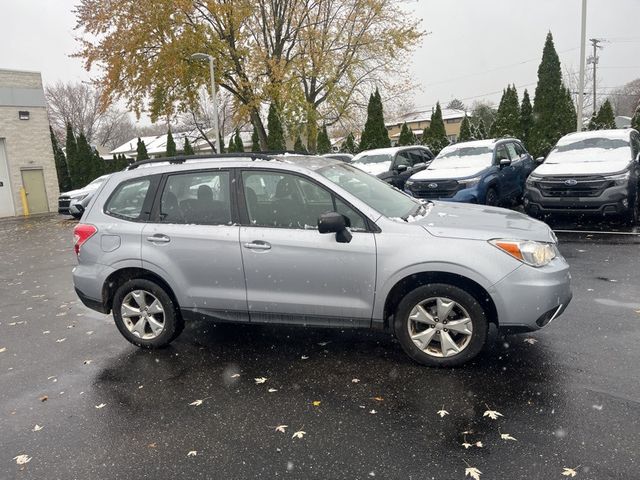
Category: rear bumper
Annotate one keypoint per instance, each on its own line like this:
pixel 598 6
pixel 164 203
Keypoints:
pixel 88 281
pixel 92 303
pixel 530 298
pixel 612 201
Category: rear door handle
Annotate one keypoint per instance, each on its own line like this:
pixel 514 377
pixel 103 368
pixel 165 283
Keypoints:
pixel 257 245
pixel 158 238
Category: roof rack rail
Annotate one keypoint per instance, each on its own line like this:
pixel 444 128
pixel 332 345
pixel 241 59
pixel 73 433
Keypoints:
pixel 183 158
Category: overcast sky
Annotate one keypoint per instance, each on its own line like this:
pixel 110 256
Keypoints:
pixel 475 47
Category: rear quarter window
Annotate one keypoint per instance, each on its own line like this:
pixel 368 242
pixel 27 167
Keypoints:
pixel 128 198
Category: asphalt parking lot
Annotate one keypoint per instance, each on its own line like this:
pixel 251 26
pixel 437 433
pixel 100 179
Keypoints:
pixel 82 403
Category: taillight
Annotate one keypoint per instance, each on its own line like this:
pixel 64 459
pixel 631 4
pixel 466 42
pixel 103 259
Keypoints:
pixel 81 234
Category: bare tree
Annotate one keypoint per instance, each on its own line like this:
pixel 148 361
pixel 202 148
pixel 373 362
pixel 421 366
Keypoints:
pixel 625 100
pixel 77 104
pixel 572 80
pixel 116 127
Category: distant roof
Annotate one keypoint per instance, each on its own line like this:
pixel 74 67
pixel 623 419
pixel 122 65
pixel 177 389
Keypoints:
pixel 425 116
pixel 617 134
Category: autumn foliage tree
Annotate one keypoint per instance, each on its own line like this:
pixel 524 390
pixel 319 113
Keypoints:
pixel 314 58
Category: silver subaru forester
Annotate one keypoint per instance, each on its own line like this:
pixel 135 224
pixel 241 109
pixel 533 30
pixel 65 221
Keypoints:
pixel 303 240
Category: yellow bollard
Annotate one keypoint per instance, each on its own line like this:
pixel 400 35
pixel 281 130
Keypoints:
pixel 25 205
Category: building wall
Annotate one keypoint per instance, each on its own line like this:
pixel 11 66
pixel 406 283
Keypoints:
pixel 27 142
pixel 451 127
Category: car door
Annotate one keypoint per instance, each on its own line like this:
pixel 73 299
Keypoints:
pixel 506 174
pixel 402 168
pixel 517 169
pixel 293 273
pixel 193 242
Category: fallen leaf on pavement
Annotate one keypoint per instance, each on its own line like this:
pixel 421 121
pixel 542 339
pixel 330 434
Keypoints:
pixel 378 399
pixel 324 344
pixel 492 414
pixel 506 436
pixel 102 405
pixel 235 375
pixel 472 472
pixel 479 444
pixel 260 379
pixel 281 428
pixel 3 349
pixel 442 413
pixel 87 362
pixel 192 453
pixel 372 412
pixel 355 380
pixel 304 357
pixel 60 340
pixel 569 472
pixel 196 403
pixel 467 445
pixel 530 341
pixel 37 428
pixel 22 459
pixel 44 398
pixel 299 434
pixel 316 403
pixel 272 390
pixel 153 445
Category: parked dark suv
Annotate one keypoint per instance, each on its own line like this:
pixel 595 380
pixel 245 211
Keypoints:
pixel 588 172
pixel 394 165
pixel 491 172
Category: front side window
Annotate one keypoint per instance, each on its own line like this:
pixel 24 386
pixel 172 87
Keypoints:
pixel 403 158
pixel 127 199
pixel 200 198
pixel 501 153
pixel 512 151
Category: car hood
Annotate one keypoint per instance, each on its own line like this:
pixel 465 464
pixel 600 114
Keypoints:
pixel 480 222
pixel 81 191
pixel 373 168
pixel 582 162
pixel 448 173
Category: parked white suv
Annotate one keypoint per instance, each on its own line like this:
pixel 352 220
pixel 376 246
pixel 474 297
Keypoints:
pixel 67 199
pixel 310 241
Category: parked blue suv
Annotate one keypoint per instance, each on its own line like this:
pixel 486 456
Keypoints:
pixel 491 172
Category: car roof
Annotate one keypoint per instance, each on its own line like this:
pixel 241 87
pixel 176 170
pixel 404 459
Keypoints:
pixel 617 134
pixel 388 150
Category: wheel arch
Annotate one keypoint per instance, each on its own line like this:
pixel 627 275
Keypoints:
pixel 117 278
pixel 412 281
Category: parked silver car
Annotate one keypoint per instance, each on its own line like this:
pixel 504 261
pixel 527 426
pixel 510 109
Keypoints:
pixel 68 199
pixel 311 241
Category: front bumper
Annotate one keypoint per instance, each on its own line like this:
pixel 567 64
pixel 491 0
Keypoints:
pixel 530 298
pixel 612 201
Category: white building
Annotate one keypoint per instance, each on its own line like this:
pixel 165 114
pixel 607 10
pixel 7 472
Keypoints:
pixel 28 178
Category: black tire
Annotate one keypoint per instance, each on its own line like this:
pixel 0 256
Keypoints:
pixel 480 324
pixel 491 198
pixel 173 322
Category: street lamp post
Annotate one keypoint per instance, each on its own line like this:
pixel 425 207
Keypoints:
pixel 583 36
pixel 214 97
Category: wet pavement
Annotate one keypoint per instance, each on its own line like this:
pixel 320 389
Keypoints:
pixel 569 394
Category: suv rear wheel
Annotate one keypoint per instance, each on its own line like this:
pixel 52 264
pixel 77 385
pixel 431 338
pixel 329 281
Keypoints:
pixel 145 314
pixel 441 325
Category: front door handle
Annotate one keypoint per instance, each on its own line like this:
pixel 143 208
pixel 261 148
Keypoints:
pixel 158 238
pixel 257 245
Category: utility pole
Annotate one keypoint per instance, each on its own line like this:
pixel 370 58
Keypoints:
pixel 583 36
pixel 594 60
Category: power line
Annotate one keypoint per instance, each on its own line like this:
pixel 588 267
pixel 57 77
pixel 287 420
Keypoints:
pixel 595 42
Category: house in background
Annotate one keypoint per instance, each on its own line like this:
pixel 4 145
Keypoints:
pixel 418 121
pixel 26 155
pixel 157 145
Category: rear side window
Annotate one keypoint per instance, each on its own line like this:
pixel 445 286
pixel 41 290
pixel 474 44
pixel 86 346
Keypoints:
pixel 200 198
pixel 127 199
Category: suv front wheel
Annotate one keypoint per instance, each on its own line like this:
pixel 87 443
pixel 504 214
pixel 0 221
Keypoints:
pixel 441 325
pixel 145 314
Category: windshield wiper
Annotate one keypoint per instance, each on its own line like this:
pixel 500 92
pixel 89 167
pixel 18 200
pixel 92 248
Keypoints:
pixel 420 209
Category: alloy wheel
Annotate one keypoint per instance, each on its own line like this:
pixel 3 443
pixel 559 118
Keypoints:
pixel 143 314
pixel 440 327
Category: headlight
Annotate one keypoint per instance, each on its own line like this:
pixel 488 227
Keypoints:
pixel 532 253
pixel 470 182
pixel 77 198
pixel 408 183
pixel 531 180
pixel 620 179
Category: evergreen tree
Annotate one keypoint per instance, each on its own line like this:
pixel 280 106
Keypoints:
pixel 567 112
pixel 64 180
pixel 465 130
pixel 141 151
pixel 406 136
pixel 275 137
pixel 239 144
pixel 635 121
pixel 324 143
pixel 593 123
pixel 424 138
pixel 507 122
pixel 375 134
pixel 481 130
pixel 526 118
pixel 85 161
pixel 171 145
pixel 255 140
pixel 436 135
pixel 605 119
pixel 349 145
pixel 71 147
pixel 299 146
pixel 188 149
pixel 232 143
pixel 548 125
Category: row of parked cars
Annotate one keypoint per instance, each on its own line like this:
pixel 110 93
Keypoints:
pixel 588 173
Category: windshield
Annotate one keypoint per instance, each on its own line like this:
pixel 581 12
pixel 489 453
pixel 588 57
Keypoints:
pixel 379 195
pixel 461 157
pixel 97 181
pixel 590 149
pixel 379 158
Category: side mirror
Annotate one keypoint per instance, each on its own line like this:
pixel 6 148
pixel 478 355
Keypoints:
pixel 541 159
pixel 505 162
pixel 420 165
pixel 402 168
pixel 333 222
